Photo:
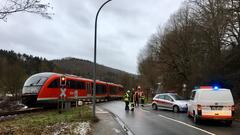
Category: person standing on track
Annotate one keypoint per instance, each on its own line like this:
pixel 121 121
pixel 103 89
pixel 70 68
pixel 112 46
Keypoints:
pixel 127 99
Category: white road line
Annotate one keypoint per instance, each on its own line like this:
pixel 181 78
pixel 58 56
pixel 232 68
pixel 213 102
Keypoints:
pixel 144 110
pixel 205 131
pixel 116 130
pixel 123 125
pixel 99 110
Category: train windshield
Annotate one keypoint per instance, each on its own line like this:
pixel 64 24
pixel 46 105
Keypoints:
pixel 36 80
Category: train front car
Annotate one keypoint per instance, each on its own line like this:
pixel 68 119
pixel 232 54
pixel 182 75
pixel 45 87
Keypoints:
pixel 43 89
pixel 32 87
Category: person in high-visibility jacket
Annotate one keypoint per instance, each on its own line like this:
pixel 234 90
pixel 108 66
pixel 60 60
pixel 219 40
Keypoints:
pixel 142 97
pixel 126 99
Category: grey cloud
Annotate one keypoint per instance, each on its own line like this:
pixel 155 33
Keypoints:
pixel 124 27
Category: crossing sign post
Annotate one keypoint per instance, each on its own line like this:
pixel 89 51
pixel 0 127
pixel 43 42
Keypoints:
pixel 63 92
pixel 62 96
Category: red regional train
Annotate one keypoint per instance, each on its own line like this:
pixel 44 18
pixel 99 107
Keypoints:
pixel 44 89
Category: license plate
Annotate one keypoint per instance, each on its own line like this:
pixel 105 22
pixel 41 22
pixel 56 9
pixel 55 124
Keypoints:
pixel 216 108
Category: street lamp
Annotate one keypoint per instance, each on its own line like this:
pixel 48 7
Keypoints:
pixel 95 58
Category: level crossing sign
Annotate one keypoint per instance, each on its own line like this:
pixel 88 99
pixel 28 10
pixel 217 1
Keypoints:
pixel 63 92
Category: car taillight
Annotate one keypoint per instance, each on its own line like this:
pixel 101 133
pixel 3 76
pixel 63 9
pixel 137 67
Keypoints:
pixel 199 107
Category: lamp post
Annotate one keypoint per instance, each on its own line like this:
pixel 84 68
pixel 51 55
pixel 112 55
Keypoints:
pixel 95 58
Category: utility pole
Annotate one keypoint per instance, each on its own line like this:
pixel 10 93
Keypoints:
pixel 95 59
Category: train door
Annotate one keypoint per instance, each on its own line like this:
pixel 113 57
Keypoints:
pixel 89 89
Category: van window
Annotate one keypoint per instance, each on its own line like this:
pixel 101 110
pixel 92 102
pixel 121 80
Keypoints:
pixel 193 95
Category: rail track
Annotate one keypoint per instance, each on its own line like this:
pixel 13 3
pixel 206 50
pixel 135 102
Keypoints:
pixel 22 111
pixel 38 109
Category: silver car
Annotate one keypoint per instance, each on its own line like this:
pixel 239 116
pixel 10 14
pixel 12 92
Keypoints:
pixel 170 101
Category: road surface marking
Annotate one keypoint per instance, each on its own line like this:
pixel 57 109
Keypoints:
pixel 144 110
pixel 205 131
pixel 116 130
pixel 187 125
pixel 123 125
pixel 120 122
pixel 98 110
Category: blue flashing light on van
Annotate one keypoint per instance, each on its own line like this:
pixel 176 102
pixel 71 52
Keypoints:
pixel 207 87
pixel 215 87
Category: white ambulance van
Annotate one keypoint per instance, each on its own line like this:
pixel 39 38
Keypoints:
pixel 209 102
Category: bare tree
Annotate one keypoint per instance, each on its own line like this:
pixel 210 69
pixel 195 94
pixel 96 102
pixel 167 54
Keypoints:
pixel 8 7
pixel 198 46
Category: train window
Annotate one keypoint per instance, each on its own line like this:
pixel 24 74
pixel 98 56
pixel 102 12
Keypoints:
pixel 100 89
pixel 54 84
pixel 121 89
pixel 88 88
pixel 80 85
pixel 72 84
pixel 113 90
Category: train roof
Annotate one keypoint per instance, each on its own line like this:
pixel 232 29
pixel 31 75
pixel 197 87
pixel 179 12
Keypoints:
pixel 113 84
pixel 45 74
pixel 48 74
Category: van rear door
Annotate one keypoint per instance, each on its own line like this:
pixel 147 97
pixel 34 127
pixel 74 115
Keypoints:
pixel 216 103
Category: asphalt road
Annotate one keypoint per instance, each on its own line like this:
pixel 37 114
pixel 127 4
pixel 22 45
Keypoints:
pixel 145 121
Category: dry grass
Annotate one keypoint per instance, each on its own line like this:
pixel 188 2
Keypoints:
pixel 38 123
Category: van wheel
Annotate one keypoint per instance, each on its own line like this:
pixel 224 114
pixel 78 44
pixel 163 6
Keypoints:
pixel 154 106
pixel 228 123
pixel 175 109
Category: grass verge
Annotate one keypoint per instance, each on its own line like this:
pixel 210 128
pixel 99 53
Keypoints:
pixel 39 122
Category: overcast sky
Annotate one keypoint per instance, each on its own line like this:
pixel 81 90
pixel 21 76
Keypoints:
pixel 124 27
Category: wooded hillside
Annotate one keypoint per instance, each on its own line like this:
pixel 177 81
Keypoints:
pixel 16 68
